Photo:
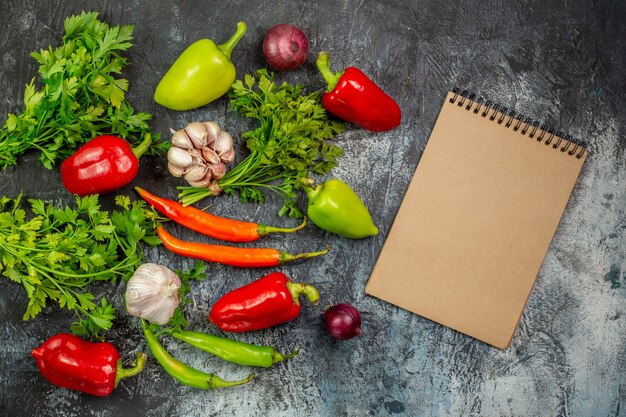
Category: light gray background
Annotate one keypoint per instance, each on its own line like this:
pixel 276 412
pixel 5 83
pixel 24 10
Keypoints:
pixel 562 62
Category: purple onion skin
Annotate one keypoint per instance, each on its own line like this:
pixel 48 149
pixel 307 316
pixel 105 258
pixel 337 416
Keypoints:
pixel 285 47
pixel 342 321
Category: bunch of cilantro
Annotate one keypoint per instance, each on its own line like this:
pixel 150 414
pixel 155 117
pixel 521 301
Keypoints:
pixel 56 252
pixel 290 143
pixel 80 96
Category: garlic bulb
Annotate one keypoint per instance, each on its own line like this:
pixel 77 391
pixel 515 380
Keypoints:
pixel 200 153
pixel 152 293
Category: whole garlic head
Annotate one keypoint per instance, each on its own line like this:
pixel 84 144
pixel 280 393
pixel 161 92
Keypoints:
pixel 200 153
pixel 152 293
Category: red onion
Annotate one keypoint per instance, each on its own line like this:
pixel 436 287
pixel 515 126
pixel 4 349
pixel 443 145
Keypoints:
pixel 342 321
pixel 285 47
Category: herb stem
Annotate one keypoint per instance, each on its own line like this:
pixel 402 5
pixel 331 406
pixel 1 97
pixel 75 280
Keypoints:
pixel 41 267
pixel 111 270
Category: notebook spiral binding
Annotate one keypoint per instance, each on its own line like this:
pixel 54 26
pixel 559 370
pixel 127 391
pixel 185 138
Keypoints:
pixel 519 123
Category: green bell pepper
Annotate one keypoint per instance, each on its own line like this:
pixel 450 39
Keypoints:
pixel 201 74
pixel 336 208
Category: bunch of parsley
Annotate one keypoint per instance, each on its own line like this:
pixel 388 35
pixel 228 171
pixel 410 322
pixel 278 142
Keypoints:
pixel 55 253
pixel 291 142
pixel 81 96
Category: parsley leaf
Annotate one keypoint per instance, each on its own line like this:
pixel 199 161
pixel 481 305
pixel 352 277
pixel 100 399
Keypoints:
pixel 197 273
pixel 290 143
pixel 99 320
pixel 81 96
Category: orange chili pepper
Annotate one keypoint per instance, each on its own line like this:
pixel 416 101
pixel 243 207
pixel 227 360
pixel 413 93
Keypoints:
pixel 228 255
pixel 208 224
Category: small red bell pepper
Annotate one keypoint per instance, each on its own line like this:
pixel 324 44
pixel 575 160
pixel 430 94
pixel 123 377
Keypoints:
pixel 70 362
pixel 355 98
pixel 268 301
pixel 102 165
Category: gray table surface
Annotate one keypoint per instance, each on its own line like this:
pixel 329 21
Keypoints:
pixel 560 62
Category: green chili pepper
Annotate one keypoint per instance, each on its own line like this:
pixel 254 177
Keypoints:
pixel 185 374
pixel 335 207
pixel 234 351
pixel 201 74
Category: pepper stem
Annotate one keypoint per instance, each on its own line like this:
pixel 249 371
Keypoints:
pixel 143 146
pixel 278 357
pixel 215 381
pixel 136 367
pixel 289 257
pixel 323 65
pixel 313 192
pixel 307 182
pixel 296 289
pixel 264 229
pixel 228 46
pixel 311 188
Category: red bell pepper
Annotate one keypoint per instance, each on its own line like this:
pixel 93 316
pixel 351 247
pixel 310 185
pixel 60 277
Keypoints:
pixel 355 98
pixel 70 362
pixel 102 165
pixel 268 301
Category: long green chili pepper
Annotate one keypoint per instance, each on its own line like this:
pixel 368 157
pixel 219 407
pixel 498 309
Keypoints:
pixel 234 351
pixel 184 373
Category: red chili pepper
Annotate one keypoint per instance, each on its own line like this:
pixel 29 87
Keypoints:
pixel 228 255
pixel 268 301
pixel 209 224
pixel 104 164
pixel 355 98
pixel 71 362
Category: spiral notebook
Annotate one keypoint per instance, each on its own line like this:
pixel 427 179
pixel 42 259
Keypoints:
pixel 478 217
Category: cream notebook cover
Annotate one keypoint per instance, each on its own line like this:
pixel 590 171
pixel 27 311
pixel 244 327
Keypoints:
pixel 475 224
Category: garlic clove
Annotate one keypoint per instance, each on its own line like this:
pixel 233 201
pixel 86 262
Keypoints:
pixel 228 157
pixel 175 170
pixel 197 173
pixel 179 157
pixel 223 143
pixel 152 293
pixel 181 140
pixel 196 155
pixel 218 170
pixel 213 130
pixel 203 183
pixel 197 134
pixel 210 156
